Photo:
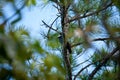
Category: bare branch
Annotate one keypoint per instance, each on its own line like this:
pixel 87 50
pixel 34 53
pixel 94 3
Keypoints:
pixel 17 11
pixel 81 70
pixel 57 7
pixel 44 35
pixel 83 62
pixel 55 20
pixel 74 45
pixel 98 39
pixel 110 38
pixel 50 27
pixel 86 15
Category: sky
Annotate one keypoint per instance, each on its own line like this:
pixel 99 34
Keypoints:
pixel 32 17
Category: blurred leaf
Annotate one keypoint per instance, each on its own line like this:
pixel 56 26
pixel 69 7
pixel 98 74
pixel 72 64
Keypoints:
pixel 52 68
pixel 90 23
pixel 5 74
pixel 108 75
pixel 21 31
pixel 115 29
pixel 1 28
pixel 37 47
pixel 31 2
pixel 53 41
pixel 34 2
pixel 116 3
pixel 52 60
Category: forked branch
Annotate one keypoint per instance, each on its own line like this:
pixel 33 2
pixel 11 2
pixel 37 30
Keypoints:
pixel 104 61
pixel 50 27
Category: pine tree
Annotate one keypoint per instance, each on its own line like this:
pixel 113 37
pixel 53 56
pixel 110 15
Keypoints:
pixel 83 45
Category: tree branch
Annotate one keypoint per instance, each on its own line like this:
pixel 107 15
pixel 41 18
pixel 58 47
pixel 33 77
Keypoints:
pixel 86 15
pixel 50 27
pixel 83 62
pixel 104 61
pixel 86 67
pixel 66 53
pixel 98 39
pixel 17 11
pixel 82 70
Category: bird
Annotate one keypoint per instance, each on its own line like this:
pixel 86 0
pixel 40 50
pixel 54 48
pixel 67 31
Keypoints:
pixel 68 46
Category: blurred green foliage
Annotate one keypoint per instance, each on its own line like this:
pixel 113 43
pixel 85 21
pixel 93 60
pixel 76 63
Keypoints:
pixel 14 53
pixel 31 2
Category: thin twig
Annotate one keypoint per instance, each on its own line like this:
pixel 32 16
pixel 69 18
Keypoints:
pixel 74 45
pixel 82 70
pixel 57 8
pixel 98 39
pixel 55 20
pixel 17 11
pixel 83 62
pixel 50 27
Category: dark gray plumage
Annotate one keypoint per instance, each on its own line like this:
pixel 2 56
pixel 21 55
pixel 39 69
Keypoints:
pixel 68 46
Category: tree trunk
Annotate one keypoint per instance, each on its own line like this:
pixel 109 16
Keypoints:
pixel 66 54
